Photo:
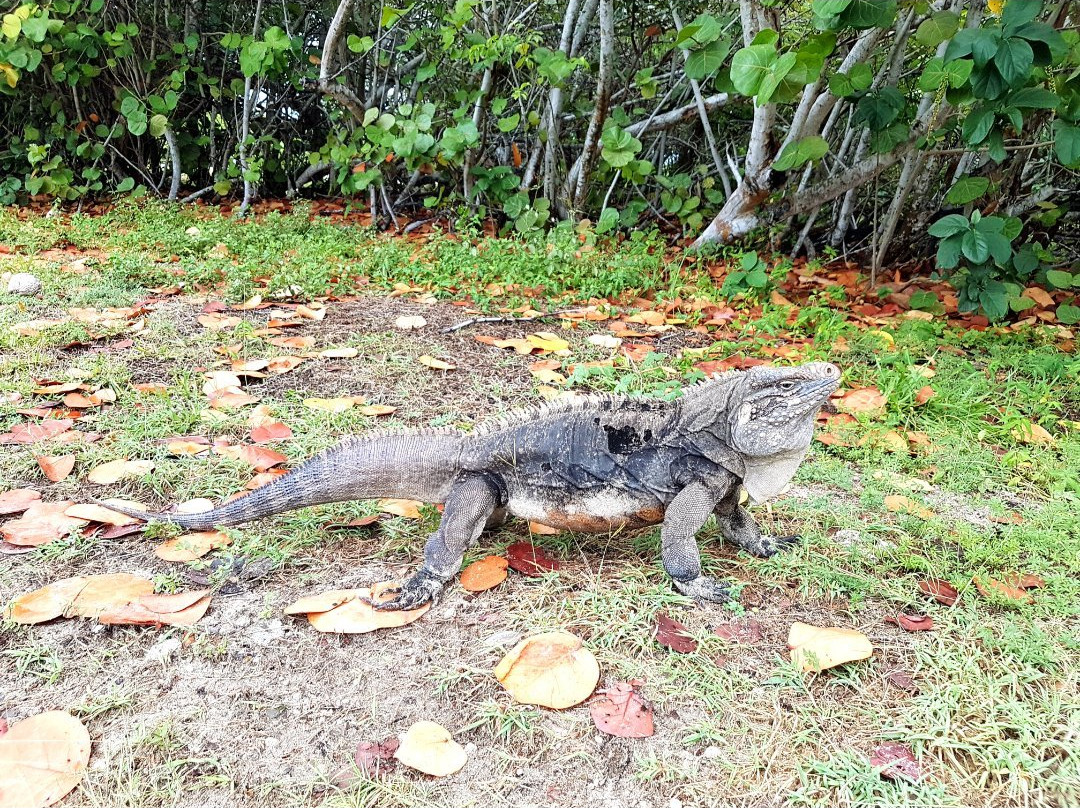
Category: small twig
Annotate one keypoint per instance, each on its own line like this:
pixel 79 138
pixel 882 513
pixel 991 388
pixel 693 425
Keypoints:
pixel 507 319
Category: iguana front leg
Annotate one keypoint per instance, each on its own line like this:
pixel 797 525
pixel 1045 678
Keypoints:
pixel 472 501
pixel 738 527
pixel 683 518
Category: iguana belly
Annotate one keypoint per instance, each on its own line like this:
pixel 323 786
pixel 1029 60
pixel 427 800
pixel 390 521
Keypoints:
pixel 592 512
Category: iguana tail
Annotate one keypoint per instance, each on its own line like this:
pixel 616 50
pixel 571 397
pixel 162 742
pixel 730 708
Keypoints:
pixel 407 465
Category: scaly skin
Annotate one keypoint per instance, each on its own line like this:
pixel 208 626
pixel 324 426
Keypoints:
pixel 594 464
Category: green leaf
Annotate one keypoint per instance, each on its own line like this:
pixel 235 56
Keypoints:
pixel 1000 248
pixel 775 75
pixel 975 246
pixel 800 152
pixel 948 254
pixel 35 28
pixel 1060 279
pixel 126 184
pixel 932 76
pixel 158 125
pixel 936 28
pixel 391 15
pixel 706 60
pixel 130 106
pixel 609 220
pixel 1014 59
pixel 509 123
pixel 12 25
pixel 861 76
pixel 620 146
pixel 750 66
pixel 967 189
pixel 959 72
pixel 949 226
pixel 926 301
pixel 1067 143
pixel 840 85
pixel 1015 14
pixel 705 29
pixel 1033 98
pixel 994 300
pixel 359 44
pixel 869 14
pixel 1068 314
pixel 977 125
pixel 830 8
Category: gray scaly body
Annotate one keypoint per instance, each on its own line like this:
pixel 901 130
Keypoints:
pixel 593 464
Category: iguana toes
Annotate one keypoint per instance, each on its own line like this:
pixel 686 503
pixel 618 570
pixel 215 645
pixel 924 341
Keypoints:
pixel 594 463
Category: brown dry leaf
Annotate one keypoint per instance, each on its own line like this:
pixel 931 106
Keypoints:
pixel 151 388
pixel 912 622
pixel 897 503
pixel 814 648
pixel 521 346
pixel 674 635
pixel 191 545
pixel 249 367
pixel 42 758
pixel 221 381
pixel 435 364
pixel 284 364
pixel 295 343
pixel 104 592
pixel 270 430
pixel 410 322
pixel 409 508
pixel 312 312
pixel 1024 580
pixel 187 448
pixel 1033 434
pixel 33 433
pixel 41 523
pixel 1040 296
pixel 528 559
pixel 180 609
pixel 866 400
pixel 55 468
pixel 100 514
pixel 989 587
pixel 896 762
pixel 231 400
pixel 924 395
pixel 377 410
pixel 941 591
pixel 623 713
pixel 116 470
pixel 892 441
pixel 340 404
pixel 323 602
pixel 540 529
pixel 553 669
pixel 258 457
pixel 429 748
pixel 487 573
pixel 17 500
pixel 46 603
pixel 357 616
pixel 218 322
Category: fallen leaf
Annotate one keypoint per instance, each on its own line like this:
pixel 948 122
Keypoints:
pixel 46 603
pixel 55 468
pixel 436 364
pixel 221 381
pixel 270 431
pixel 34 433
pixel 911 622
pixel 17 500
pixel 258 457
pixel 521 346
pixel 103 592
pixel 941 591
pixel 622 713
pixel 377 410
pixel 529 559
pixel 814 648
pixel 897 503
pixel 744 632
pixel 866 400
pixel 323 602
pixel 180 609
pixel 540 529
pixel 1030 433
pixel 674 635
pixel 553 669
pixel 896 762
pixel 1023 580
pixel 284 364
pixel 409 508
pixel 487 573
pixel 892 441
pixel 339 353
pixel 100 514
pixel 187 448
pixel 151 388
pixel 410 322
pixel 295 343
pixel 924 394
pixel 429 748
pixel 341 404
pixel 902 680
pixel 41 523
pixel 373 758
pixel 191 545
pixel 357 616
pixel 990 587
pixel 116 470
pixel 42 758
pixel 549 342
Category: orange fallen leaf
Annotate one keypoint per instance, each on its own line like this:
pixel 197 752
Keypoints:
pixel 924 395
pixel 56 468
pixel 187 448
pixel 436 364
pixel 232 399
pixel 540 529
pixel 296 343
pixel 1032 433
pixel 34 433
pixel 814 648
pixel 107 591
pixel 180 609
pixel 487 573
pixel 151 388
pixel 377 410
pixel 866 400
pixel 409 508
pixel 941 591
pixel 429 748
pixel 911 622
pixel 100 514
pixel 270 431
pixel 17 500
pixel 553 669
pixel 191 545
pixel 41 523
pixel 116 470
pixel 46 603
pixel 1024 580
pixel 258 457
pixel 323 602
pixel 357 616
pixel 990 587
pixel 897 503
pixel 284 364
pixel 622 712
pixel 42 758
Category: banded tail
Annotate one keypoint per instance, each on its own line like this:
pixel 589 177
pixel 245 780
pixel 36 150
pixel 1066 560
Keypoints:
pixel 417 465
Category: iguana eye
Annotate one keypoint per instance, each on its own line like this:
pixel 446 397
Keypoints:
pixel 787 385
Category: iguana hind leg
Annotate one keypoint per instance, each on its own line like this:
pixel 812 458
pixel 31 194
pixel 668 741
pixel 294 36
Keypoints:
pixel 471 503
pixel 683 518
pixel 738 527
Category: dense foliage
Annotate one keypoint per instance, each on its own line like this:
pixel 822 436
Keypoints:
pixel 852 125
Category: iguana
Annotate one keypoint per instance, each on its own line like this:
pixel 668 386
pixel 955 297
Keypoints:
pixel 594 463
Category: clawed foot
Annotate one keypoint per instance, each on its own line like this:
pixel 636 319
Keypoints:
pixel 704 589
pixel 414 593
pixel 771 545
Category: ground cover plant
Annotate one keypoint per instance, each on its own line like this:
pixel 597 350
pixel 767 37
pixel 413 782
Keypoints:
pixel 179 354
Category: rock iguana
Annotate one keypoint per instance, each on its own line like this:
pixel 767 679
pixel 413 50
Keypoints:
pixel 595 463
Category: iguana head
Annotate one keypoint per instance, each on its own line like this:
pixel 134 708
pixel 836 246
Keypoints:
pixel 774 409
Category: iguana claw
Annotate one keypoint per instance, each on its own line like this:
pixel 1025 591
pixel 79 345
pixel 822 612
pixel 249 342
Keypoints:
pixel 771 545
pixel 704 589
pixel 414 593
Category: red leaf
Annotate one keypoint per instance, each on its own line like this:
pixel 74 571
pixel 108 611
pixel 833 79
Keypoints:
pixel 370 757
pixel 623 713
pixel 898 762
pixel 912 622
pixel 941 591
pixel 528 559
pixel 674 635
pixel 1023 580
pixel 902 680
pixel 32 433
pixel 273 430
pixel 745 632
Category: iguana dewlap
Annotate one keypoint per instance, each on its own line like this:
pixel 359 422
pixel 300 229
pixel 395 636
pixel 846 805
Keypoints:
pixel 595 463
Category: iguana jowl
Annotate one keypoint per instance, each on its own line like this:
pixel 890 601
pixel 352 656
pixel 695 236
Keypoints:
pixel 595 464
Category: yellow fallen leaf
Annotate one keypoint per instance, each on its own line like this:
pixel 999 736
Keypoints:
pixel 437 364
pixel 191 545
pixel 376 410
pixel 814 648
pixel 410 322
pixel 116 470
pixel 547 341
pixel 553 669
pixel 548 376
pixel 1032 433
pixel 898 503
pixel 340 404
pixel 429 748
pixel 41 759
pixel 409 508
pixel 357 616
